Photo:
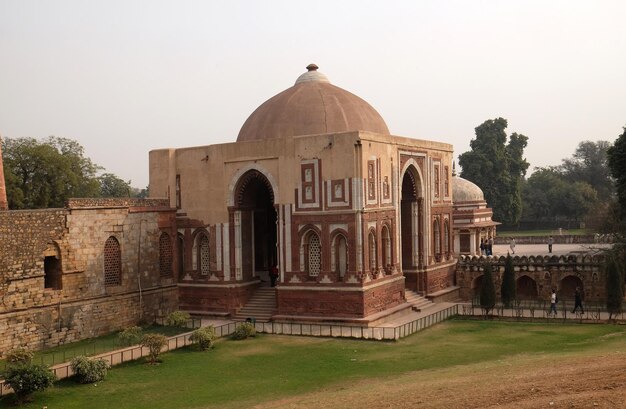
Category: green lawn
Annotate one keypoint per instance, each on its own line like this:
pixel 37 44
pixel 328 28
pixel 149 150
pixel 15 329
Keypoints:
pixel 527 233
pixel 238 374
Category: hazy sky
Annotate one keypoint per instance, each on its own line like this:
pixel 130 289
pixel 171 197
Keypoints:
pixel 125 77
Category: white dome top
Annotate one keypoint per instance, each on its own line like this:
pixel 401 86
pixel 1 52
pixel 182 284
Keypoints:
pixel 465 191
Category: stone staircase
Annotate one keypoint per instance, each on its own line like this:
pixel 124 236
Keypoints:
pixel 261 306
pixel 418 302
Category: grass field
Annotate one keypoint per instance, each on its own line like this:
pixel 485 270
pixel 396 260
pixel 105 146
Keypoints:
pixel 527 233
pixel 270 368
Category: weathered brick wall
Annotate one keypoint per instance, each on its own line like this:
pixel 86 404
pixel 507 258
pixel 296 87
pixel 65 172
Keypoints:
pixel 76 203
pixel 82 306
pixel 24 236
pixel 52 325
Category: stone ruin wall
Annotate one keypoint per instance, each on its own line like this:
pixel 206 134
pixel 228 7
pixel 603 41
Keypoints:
pixel 36 317
pixel 547 272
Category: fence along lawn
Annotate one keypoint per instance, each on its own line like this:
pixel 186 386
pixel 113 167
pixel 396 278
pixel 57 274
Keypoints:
pixel 242 373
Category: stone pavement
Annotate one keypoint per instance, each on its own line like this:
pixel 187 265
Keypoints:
pixel 542 249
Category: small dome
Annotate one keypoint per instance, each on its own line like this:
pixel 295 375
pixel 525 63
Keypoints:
pixel 311 106
pixel 465 191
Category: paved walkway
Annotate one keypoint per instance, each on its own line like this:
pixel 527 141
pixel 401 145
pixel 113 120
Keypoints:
pixel 542 249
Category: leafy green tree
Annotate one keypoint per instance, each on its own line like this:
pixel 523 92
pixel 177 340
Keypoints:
pixel 508 288
pixel 112 186
pixel 590 164
pixel 488 290
pixel 498 168
pixel 46 174
pixel 617 165
pixel 614 285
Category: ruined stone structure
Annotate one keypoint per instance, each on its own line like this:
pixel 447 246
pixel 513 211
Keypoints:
pixel 317 186
pixel 537 276
pixel 4 204
pixel 96 266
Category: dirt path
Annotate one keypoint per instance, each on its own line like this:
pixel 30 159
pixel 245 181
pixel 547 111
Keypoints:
pixel 597 381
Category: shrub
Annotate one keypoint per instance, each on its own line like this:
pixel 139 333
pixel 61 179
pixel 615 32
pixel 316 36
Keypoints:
pixel 28 379
pixel 508 289
pixel 178 319
pixel 154 343
pixel 89 370
pixel 19 356
pixel 204 337
pixel 488 291
pixel 130 336
pixel 614 286
pixel 244 330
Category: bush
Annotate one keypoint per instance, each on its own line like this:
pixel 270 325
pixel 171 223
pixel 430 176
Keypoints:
pixel 614 286
pixel 28 379
pixel 488 291
pixel 19 356
pixel 508 288
pixel 154 343
pixel 89 370
pixel 204 337
pixel 178 319
pixel 244 330
pixel 130 336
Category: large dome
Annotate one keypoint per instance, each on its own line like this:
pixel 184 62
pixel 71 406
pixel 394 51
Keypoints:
pixel 465 191
pixel 312 106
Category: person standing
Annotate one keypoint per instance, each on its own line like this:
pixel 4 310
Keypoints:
pixel 273 275
pixel 482 247
pixel 490 246
pixel 553 301
pixel 578 301
pixel 512 245
pixel 550 241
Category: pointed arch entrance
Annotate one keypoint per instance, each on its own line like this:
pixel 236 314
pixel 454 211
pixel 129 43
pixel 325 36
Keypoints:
pixel 255 226
pixel 412 228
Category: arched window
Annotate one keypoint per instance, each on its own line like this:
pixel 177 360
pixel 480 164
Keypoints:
pixel 181 255
pixel 437 240
pixel 204 258
pixel 386 248
pixel 165 255
pixel 340 254
pixel 372 251
pixel 313 254
pixel 446 237
pixel 112 262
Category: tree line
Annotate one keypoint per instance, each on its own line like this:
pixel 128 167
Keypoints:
pixel 582 190
pixel 46 173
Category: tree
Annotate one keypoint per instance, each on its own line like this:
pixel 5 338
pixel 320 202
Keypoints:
pixel 46 174
pixel 617 165
pixel 497 168
pixel 154 343
pixel 614 284
pixel 487 291
pixel 112 186
pixel 590 164
pixel 508 288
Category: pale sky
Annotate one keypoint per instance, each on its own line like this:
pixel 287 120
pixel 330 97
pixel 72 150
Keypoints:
pixel 125 77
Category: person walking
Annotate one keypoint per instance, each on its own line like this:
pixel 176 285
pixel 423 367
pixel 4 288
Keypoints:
pixel 512 245
pixel 550 242
pixel 578 301
pixel 553 301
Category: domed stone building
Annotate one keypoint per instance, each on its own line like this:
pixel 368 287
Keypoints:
pixel 317 189
pixel 471 217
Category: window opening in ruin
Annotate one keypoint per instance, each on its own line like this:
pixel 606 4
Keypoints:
pixel 165 255
pixel 52 273
pixel 446 237
pixel 181 255
pixel 437 240
pixel 178 193
pixel 112 262
pixel 341 255
pixel 386 248
pixel 372 251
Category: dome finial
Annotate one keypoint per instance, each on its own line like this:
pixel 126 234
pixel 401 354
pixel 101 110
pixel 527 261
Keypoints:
pixel 312 67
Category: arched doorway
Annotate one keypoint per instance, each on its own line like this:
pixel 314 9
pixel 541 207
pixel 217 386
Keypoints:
pixel 568 287
pixel 254 207
pixel 411 228
pixel 526 288
pixel 477 285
